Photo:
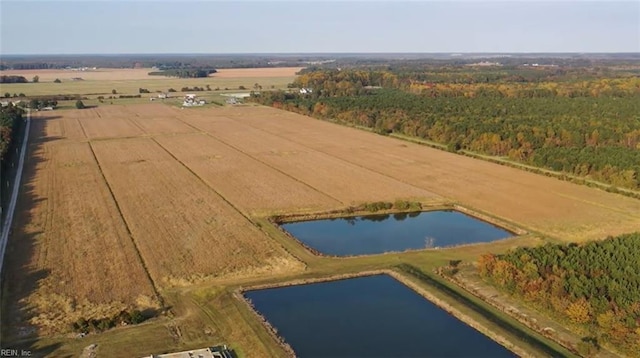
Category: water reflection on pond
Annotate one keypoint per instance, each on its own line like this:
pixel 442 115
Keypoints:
pixel 374 234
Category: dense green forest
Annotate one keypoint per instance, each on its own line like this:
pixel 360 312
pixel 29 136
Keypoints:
pixel 581 121
pixel 596 286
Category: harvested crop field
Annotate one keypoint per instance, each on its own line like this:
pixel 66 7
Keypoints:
pixel 64 127
pixel 121 202
pixel 108 127
pixel 345 182
pixel 102 82
pixel 241 179
pixel 70 257
pixel 123 74
pixel 185 231
pixel 112 74
pixel 557 208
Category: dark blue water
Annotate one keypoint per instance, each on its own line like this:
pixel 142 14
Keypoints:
pixel 375 234
pixel 374 316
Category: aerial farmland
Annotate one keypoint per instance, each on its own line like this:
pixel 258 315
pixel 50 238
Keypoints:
pixel 169 211
pixel 319 179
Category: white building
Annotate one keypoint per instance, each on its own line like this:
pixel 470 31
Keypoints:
pixel 191 100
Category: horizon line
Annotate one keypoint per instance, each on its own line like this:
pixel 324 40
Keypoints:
pixel 322 53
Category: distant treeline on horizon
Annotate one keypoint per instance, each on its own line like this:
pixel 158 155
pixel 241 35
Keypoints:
pixel 32 62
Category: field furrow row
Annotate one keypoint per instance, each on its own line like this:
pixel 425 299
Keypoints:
pixel 75 258
pixel 185 231
pixel 558 208
pixel 332 176
pixel 245 181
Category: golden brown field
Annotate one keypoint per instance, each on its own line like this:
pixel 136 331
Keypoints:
pixel 185 231
pixel 345 182
pixel 121 202
pixel 248 183
pixel 101 82
pixel 71 255
pixel 115 74
pixel 124 74
pixel 557 208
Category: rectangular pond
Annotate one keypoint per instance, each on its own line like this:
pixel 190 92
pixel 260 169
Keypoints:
pixel 375 234
pixel 371 316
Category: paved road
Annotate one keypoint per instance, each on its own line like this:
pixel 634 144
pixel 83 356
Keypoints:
pixel 6 225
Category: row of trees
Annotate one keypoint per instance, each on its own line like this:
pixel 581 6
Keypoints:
pixel 9 117
pixel 12 79
pixel 99 325
pixel 8 95
pixel 595 286
pixel 185 72
pixel 469 84
pixel 193 89
pixel 10 124
pixel 19 79
pixel 42 103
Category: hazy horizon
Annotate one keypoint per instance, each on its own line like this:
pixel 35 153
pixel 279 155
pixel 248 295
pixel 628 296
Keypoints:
pixel 310 54
pixel 318 27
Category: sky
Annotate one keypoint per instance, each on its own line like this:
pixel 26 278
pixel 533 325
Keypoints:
pixel 305 26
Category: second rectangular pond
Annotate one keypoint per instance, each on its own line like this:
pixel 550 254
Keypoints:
pixel 375 234
pixel 373 316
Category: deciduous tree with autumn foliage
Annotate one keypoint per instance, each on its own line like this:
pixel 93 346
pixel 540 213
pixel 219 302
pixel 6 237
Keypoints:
pixel 594 286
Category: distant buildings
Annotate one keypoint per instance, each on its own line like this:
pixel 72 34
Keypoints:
pixel 191 100
pixel 80 68
pixel 162 96
pixel 538 65
pixel 485 64
pixel 235 98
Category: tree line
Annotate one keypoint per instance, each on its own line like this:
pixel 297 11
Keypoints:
pixel 595 286
pixel 10 124
pixel 185 72
pixel 9 117
pixel 42 103
pixel 471 83
pixel 13 79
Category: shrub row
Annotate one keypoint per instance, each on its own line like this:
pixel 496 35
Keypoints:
pixel 83 325
pixel 398 205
